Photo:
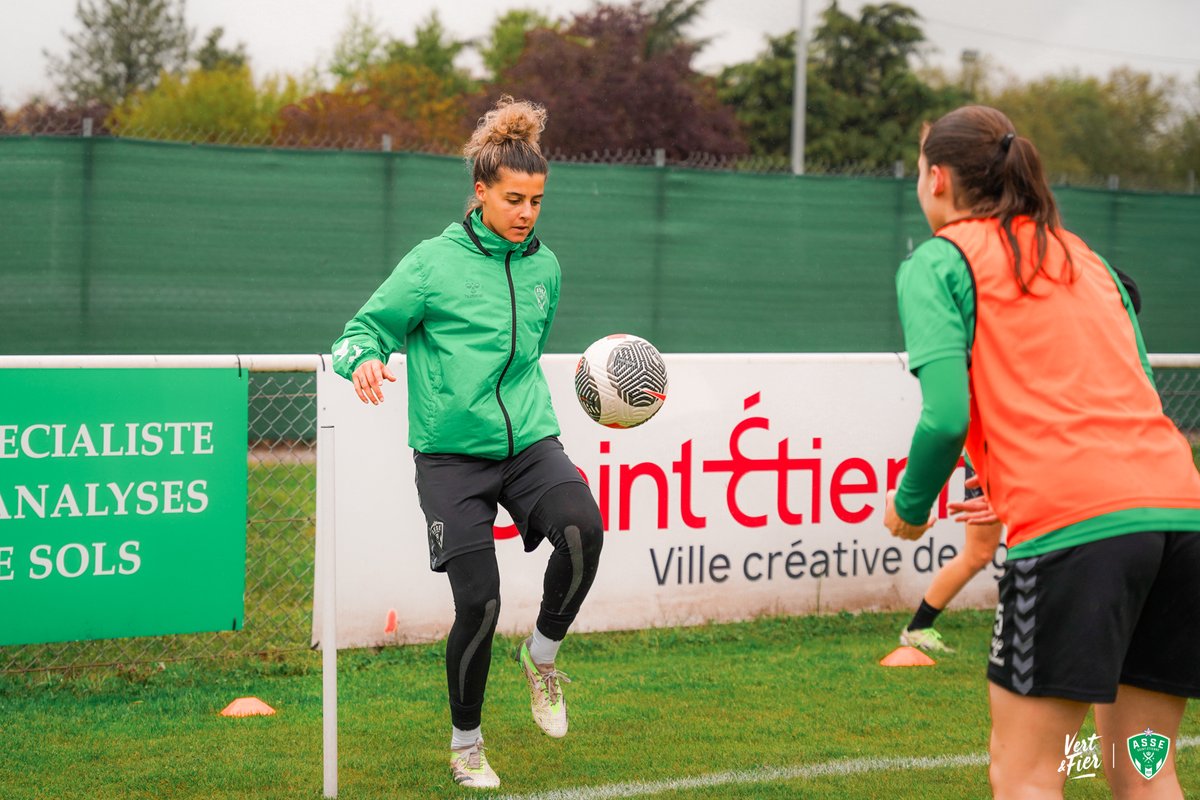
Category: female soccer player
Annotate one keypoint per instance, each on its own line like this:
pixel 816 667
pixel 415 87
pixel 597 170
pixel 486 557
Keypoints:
pixel 473 308
pixel 981 538
pixel 1014 325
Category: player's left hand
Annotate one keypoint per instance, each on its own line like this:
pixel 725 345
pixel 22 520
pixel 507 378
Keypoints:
pixel 900 528
pixel 977 510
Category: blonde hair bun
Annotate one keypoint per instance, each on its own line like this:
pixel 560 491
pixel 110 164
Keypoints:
pixel 510 121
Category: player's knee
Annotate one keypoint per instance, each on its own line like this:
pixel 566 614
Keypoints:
pixel 574 524
pixel 482 605
pixel 475 583
pixel 977 559
pixel 591 536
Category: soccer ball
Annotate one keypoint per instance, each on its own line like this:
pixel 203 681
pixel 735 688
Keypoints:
pixel 621 381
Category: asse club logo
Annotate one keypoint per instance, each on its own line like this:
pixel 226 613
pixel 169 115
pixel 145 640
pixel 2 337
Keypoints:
pixel 1148 752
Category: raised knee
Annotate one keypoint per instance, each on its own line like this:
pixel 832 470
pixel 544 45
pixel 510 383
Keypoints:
pixel 978 561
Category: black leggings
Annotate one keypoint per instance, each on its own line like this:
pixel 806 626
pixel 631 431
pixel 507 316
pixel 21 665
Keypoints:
pixel 567 515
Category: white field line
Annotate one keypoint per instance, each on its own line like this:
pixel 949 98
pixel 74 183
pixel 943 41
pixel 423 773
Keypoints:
pixel 839 768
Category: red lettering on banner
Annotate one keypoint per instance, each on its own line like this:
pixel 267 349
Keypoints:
pixel 683 468
pixel 852 476
pixel 739 465
pixel 604 492
pixel 629 472
pixel 840 487
pixel 895 467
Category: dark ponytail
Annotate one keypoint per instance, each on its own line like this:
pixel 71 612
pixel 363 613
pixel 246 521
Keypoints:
pixel 996 174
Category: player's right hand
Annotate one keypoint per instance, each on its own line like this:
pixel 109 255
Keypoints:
pixel 368 381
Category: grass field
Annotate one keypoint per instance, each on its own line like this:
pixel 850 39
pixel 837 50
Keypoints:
pixel 803 695
pixel 678 707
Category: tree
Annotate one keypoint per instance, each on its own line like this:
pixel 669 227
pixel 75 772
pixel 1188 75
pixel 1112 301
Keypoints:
pixel 507 38
pixel 761 93
pixel 213 56
pixel 220 105
pixel 348 119
pixel 404 101
pixel 42 117
pixel 1085 127
pixel 669 21
pixel 866 105
pixel 124 47
pixel 1181 144
pixel 604 93
pixel 436 50
pixel 359 46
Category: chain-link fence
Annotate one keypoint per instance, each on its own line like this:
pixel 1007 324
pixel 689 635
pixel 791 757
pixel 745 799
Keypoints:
pixel 281 528
pixel 1179 387
pixel 93 126
pixel 92 121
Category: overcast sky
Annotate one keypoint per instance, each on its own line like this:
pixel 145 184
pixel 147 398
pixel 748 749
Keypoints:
pixel 1027 37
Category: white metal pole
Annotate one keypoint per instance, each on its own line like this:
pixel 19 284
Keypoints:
pixel 325 516
pixel 800 92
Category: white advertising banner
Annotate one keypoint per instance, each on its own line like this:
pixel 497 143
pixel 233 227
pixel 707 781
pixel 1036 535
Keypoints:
pixel 757 489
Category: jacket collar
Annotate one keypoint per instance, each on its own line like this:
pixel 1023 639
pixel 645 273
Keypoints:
pixel 488 242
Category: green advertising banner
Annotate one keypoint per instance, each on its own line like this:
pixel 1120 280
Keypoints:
pixel 122 502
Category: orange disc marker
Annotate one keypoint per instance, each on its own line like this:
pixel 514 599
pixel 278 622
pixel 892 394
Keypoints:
pixel 247 707
pixel 907 657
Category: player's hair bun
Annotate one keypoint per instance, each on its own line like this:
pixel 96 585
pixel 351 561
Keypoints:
pixel 509 121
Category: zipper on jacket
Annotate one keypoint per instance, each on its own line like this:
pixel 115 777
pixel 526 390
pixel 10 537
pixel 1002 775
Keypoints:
pixel 512 349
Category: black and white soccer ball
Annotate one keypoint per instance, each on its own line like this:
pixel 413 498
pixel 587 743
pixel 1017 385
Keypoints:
pixel 621 381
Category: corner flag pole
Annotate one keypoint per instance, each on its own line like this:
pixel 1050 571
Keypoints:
pixel 800 92
pixel 329 704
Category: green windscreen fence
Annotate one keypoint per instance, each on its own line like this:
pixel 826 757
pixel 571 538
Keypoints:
pixel 123 246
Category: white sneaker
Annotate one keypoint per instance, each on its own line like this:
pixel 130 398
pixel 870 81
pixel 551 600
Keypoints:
pixel 545 691
pixel 925 639
pixel 470 767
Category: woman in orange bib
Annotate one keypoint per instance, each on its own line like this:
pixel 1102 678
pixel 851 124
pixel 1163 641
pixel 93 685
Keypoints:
pixel 1027 349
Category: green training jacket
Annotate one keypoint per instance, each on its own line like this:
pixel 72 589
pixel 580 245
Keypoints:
pixel 472 312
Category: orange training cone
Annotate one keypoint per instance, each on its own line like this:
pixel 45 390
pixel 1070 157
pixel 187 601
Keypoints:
pixel 247 707
pixel 907 657
pixel 389 626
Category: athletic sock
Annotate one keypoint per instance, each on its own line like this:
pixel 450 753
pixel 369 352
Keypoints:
pixel 924 617
pixel 460 739
pixel 542 649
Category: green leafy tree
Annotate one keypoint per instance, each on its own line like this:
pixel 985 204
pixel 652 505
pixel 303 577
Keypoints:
pixel 360 45
pixel 222 105
pixel 865 104
pixel 505 42
pixel 1181 145
pixel 212 55
pixel 669 23
pixel 435 49
pixel 124 47
pixel 1085 127
pixel 760 92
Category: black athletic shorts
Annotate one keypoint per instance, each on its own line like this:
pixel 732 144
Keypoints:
pixel 459 495
pixel 1074 623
